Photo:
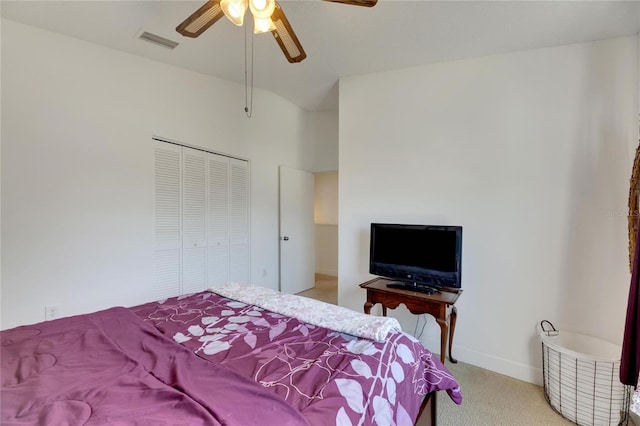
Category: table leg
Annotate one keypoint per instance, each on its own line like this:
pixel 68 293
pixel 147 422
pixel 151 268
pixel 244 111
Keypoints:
pixel 454 317
pixel 444 329
pixel 384 311
pixel 367 307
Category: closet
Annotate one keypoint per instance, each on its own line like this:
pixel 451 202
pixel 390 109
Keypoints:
pixel 201 220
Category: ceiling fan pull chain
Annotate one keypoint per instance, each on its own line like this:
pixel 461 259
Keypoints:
pixel 248 98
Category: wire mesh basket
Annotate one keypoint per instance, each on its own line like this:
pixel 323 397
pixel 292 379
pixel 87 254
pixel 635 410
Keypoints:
pixel 581 378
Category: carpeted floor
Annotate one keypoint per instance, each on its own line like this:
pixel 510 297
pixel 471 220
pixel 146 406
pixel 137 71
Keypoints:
pixel 492 399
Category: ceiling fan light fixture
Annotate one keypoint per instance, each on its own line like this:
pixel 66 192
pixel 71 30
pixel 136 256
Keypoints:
pixel 262 9
pixel 262 25
pixel 234 10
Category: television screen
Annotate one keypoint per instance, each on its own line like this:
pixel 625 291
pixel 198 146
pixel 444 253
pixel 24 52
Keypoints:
pixel 427 255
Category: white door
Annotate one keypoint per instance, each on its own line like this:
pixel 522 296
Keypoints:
pixel 218 235
pixel 239 262
pixel 167 214
pixel 201 220
pixel 194 220
pixel 297 232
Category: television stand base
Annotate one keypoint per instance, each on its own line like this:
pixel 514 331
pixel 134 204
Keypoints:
pixel 438 305
pixel 412 287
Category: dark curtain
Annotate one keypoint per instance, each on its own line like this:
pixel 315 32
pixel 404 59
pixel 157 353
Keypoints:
pixel 630 361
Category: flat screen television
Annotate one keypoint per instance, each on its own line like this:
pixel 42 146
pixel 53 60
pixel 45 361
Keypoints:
pixel 423 258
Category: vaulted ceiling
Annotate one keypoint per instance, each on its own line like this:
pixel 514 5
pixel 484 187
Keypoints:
pixel 339 40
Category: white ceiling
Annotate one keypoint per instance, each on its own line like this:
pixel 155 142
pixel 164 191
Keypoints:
pixel 340 40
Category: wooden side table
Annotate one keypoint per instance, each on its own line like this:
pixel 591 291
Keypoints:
pixel 435 304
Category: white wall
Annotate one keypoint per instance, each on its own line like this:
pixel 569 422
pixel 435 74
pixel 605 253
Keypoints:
pixel 326 220
pixel 325 198
pixel 529 151
pixel 77 167
pixel 326 250
pixel 0 174
pixel 323 132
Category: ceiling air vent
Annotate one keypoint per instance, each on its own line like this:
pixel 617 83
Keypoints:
pixel 156 39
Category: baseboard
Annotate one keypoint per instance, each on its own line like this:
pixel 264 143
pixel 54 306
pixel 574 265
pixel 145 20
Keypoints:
pixel 494 363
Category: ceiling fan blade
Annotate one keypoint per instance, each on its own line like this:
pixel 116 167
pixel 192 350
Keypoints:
pixel 286 38
pixel 201 19
pixel 366 3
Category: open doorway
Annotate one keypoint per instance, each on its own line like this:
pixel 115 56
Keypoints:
pixel 326 238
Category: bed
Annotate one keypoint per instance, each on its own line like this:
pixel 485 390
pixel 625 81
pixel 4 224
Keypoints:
pixel 234 355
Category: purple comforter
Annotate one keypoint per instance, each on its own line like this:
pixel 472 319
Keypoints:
pixel 329 377
pixel 250 367
pixel 112 368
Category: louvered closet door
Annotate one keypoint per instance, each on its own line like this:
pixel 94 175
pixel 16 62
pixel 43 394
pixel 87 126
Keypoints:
pixel 239 216
pixel 194 220
pixel 167 208
pixel 218 215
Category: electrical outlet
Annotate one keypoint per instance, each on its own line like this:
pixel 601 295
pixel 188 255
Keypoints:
pixel 51 312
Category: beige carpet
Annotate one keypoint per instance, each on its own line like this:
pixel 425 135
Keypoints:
pixel 492 399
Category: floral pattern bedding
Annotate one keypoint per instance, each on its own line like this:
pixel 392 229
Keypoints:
pixel 312 311
pixel 328 376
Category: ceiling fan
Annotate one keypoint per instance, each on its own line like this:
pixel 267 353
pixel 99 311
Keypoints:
pixel 267 17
